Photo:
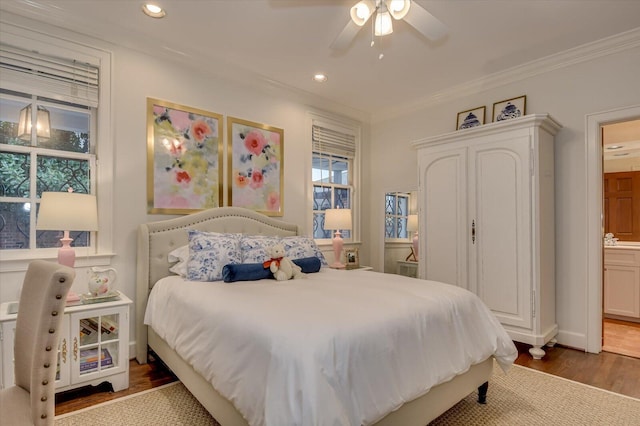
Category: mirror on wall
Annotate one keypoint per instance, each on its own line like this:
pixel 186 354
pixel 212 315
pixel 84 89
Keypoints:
pixel 400 228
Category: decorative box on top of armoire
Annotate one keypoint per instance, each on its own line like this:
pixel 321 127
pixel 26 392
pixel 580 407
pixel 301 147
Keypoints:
pixel 486 209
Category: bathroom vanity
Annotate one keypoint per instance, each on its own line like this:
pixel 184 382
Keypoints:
pixel 622 281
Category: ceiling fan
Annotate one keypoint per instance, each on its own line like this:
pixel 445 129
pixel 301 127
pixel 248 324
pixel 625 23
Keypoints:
pixel 383 10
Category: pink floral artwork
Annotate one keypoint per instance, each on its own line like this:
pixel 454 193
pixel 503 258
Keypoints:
pixel 255 174
pixel 184 158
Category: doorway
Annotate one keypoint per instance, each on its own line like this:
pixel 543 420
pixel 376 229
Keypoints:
pixel 594 231
pixel 621 278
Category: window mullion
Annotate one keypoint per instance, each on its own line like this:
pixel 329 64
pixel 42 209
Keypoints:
pixel 33 209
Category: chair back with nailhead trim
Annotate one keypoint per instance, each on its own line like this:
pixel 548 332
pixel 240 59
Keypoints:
pixel 40 312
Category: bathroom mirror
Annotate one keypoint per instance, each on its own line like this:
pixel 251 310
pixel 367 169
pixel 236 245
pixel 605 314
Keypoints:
pixel 400 227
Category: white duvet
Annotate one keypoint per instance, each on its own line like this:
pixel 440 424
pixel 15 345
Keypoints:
pixel 337 348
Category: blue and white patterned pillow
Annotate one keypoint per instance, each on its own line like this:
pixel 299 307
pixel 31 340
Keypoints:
pixel 254 247
pixel 209 252
pixel 299 247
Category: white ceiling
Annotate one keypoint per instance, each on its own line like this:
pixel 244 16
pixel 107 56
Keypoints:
pixel 284 42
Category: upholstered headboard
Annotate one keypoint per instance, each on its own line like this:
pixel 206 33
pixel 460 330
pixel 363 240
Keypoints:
pixel 157 239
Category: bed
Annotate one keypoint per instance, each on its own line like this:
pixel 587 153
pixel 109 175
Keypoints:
pixel 304 405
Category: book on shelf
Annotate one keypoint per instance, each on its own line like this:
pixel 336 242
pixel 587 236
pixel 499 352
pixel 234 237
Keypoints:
pixel 89 359
pixel 108 324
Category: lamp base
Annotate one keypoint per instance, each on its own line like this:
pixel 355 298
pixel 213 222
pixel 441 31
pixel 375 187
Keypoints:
pixel 338 243
pixel 66 253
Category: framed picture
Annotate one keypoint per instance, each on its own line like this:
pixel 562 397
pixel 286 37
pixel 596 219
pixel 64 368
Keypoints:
pixel 470 118
pixel 352 260
pixel 256 163
pixel 184 158
pixel 509 108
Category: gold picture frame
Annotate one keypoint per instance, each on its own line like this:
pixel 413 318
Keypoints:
pixel 351 258
pixel 471 118
pixel 255 166
pixel 184 158
pixel 510 108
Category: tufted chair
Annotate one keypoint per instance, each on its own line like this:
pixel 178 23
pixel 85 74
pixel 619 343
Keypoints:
pixel 32 400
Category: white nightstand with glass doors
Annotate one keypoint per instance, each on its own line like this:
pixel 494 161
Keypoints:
pixel 94 344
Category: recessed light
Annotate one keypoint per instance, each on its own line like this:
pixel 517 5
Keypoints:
pixel 153 10
pixel 320 78
pixel 614 147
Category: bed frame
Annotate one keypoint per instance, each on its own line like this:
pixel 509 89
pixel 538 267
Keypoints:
pixel 157 239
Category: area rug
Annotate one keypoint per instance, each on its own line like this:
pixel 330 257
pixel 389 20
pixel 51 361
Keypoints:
pixel 522 397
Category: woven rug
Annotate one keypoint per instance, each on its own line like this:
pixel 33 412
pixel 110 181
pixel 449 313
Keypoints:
pixel 522 397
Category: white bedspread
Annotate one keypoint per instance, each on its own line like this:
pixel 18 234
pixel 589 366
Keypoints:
pixel 338 348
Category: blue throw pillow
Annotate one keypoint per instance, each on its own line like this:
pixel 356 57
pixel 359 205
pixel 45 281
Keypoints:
pixel 308 264
pixel 257 271
pixel 245 272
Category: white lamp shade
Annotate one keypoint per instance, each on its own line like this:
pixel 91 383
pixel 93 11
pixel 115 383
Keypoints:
pixel 361 12
pixel 412 222
pixel 383 25
pixel 398 8
pixel 337 219
pixel 67 211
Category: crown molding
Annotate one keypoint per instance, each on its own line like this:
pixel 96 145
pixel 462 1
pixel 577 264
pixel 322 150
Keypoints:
pixel 586 52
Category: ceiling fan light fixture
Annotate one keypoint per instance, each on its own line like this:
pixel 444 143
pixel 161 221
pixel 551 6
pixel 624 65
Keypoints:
pixel 383 25
pixel 361 12
pixel 398 8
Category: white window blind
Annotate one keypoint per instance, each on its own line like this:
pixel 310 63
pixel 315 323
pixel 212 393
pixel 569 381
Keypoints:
pixel 58 78
pixel 333 142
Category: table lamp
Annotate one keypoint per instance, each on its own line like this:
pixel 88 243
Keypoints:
pixel 337 219
pixel 412 226
pixel 67 211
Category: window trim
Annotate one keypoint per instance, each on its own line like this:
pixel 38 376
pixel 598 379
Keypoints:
pixel 345 125
pixel 18 260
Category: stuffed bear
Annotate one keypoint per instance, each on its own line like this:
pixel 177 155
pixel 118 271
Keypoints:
pixel 282 267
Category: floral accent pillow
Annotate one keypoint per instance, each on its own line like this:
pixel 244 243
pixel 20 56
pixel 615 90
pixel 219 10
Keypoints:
pixel 181 256
pixel 254 247
pixel 209 252
pixel 300 247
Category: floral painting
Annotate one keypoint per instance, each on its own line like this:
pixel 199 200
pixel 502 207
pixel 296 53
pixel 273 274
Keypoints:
pixel 184 158
pixel 255 172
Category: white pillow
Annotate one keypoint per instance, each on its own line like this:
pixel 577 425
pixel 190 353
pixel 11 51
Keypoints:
pixel 180 255
pixel 209 252
pixel 299 247
pixel 254 247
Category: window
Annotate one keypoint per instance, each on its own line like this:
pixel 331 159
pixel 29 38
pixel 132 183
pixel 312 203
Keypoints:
pixel 396 213
pixel 50 125
pixel 332 174
pixel 34 159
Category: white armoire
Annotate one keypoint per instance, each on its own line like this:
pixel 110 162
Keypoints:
pixel 486 209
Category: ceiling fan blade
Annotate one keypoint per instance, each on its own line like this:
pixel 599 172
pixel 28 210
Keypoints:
pixel 427 24
pixel 347 35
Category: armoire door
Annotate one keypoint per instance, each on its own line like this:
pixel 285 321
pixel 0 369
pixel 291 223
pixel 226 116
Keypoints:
pixel 443 230
pixel 499 197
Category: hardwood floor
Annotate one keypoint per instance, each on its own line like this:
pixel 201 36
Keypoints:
pixel 621 337
pixel 613 372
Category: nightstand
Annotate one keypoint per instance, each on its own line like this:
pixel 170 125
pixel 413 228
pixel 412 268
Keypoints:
pixel 359 268
pixel 407 268
pixel 94 344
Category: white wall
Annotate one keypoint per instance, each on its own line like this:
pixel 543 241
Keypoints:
pixel 136 76
pixel 568 94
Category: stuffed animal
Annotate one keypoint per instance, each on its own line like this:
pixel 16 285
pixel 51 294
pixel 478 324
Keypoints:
pixel 282 267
